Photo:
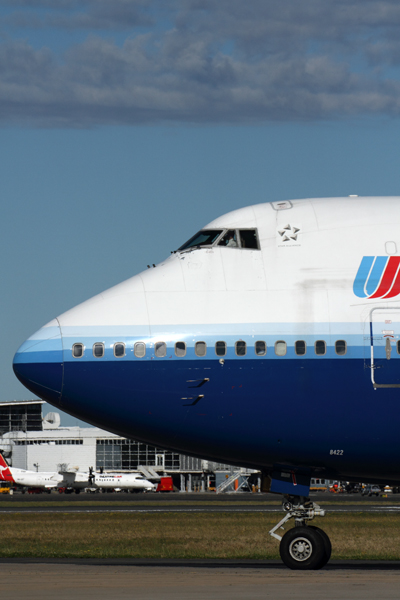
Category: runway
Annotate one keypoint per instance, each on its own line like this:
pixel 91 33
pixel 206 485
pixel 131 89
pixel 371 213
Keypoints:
pixel 191 509
pixel 197 497
pixel 200 580
pixel 185 503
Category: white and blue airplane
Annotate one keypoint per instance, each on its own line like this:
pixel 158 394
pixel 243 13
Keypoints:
pixel 269 340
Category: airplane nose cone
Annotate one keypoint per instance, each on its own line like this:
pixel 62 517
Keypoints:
pixel 38 363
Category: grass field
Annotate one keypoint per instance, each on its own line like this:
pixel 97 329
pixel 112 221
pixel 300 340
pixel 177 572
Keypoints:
pixel 200 535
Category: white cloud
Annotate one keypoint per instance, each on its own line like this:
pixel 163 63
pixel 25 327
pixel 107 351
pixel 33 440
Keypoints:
pixel 200 61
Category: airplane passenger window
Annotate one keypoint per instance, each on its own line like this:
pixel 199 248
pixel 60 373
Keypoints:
pixel 280 348
pixel 180 349
pixel 220 348
pixel 119 349
pixel 140 349
pixel 248 239
pixel 200 348
pixel 206 237
pixel 320 347
pixel 98 350
pixel 229 239
pixel 340 347
pixel 240 348
pixel 300 347
pixel 160 349
pixel 260 348
pixel 77 350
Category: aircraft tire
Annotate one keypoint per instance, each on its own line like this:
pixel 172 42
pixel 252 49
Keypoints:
pixel 303 548
pixel 327 545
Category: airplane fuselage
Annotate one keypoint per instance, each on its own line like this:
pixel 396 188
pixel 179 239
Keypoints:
pixel 281 351
pixel 35 479
pixel 122 481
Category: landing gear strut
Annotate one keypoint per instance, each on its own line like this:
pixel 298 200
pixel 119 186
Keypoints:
pixel 304 546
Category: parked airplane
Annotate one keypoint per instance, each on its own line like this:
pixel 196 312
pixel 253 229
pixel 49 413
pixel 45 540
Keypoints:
pixel 29 478
pixel 269 340
pixel 74 480
pixel 107 481
pixel 124 481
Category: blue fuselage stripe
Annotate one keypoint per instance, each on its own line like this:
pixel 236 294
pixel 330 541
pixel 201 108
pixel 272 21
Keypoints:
pixel 249 412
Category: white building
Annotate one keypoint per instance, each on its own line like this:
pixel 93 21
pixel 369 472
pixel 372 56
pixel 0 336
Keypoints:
pixel 31 442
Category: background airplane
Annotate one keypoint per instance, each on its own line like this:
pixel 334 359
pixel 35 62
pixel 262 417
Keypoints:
pixel 75 480
pixel 124 481
pixel 21 477
pixel 134 482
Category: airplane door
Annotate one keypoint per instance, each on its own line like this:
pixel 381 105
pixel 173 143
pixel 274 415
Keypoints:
pixel 385 347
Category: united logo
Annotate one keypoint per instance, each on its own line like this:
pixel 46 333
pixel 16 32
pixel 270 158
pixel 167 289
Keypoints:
pixel 378 277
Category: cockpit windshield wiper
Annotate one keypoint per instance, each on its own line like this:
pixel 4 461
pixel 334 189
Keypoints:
pixel 189 249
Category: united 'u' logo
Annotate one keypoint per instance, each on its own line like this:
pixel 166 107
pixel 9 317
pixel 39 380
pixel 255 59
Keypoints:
pixel 378 277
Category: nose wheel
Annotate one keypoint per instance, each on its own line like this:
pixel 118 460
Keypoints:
pixel 303 547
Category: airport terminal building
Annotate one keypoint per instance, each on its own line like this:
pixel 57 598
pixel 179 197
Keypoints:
pixel 29 441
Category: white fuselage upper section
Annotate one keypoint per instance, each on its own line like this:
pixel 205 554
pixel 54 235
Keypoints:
pixel 293 283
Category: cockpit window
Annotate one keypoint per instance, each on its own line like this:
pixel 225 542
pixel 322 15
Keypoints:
pixel 248 238
pixel 206 237
pixel 240 238
pixel 229 239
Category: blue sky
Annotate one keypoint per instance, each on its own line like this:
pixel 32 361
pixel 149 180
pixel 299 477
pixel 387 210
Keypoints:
pixel 128 125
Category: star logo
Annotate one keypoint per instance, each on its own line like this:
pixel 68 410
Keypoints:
pixel 289 234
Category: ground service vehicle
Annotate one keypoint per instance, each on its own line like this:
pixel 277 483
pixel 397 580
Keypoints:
pixel 371 490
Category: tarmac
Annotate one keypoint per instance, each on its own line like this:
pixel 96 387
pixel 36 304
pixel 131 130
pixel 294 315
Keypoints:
pixel 240 498
pixel 190 509
pixel 185 503
pixel 208 580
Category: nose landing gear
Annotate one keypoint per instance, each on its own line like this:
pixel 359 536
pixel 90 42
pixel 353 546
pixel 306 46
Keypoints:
pixel 303 547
